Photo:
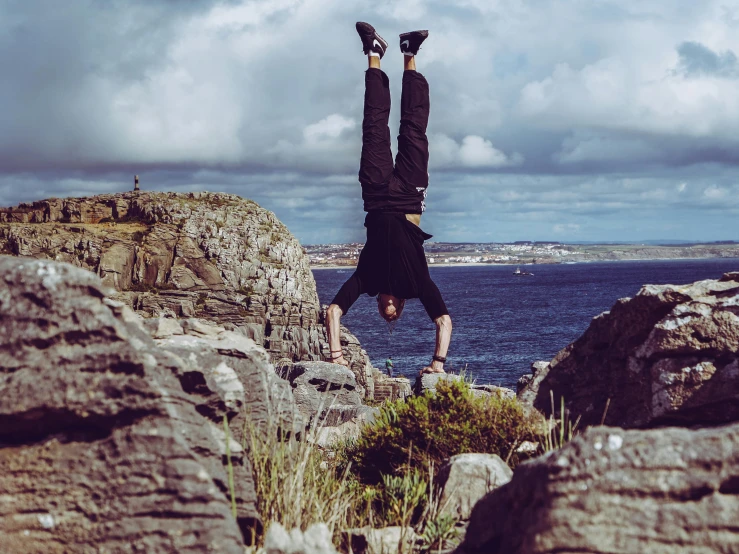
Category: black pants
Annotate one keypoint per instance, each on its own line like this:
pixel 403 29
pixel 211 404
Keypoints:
pixel 392 260
pixel 399 187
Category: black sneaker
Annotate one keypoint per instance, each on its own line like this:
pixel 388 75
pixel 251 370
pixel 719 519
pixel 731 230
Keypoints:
pixel 371 41
pixel 411 42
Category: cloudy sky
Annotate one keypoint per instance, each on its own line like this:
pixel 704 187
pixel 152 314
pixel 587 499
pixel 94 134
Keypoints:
pixel 565 120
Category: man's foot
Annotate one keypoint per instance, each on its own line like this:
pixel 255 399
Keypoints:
pixel 411 42
pixel 372 43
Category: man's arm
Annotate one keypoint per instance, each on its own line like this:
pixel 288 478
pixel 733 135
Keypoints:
pixel 443 337
pixel 436 309
pixel 333 331
pixel 347 295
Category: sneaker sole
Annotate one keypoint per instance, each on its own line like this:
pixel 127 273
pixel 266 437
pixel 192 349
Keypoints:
pixel 423 33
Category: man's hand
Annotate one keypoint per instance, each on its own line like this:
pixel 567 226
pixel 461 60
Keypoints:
pixel 435 367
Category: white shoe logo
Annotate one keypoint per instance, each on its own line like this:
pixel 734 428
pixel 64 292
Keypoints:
pixel 375 43
pixel 406 43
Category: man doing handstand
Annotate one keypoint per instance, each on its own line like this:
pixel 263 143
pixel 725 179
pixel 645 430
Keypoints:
pixel 392 264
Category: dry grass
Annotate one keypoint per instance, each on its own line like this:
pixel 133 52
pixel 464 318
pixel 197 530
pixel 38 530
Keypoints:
pixel 295 485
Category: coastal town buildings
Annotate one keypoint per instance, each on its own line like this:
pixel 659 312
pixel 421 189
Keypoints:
pixel 528 252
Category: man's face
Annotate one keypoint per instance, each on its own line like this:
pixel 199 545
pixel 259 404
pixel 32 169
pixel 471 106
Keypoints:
pixel 390 307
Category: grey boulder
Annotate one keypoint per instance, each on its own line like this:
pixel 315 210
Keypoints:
pixel 466 478
pixel 381 541
pixel 229 374
pixel 325 390
pixel 100 447
pixel 390 388
pixel 314 540
pixel 665 491
pixel 427 382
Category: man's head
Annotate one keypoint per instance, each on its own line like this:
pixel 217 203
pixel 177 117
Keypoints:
pixel 390 307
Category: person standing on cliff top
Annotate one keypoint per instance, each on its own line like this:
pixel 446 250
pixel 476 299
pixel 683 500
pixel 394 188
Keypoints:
pixel 389 366
pixel 392 265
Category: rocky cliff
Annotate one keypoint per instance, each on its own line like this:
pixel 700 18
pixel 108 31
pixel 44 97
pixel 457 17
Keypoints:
pixel 670 355
pixel 213 256
pixel 667 357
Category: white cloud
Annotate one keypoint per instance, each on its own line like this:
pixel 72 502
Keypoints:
pixel 714 192
pixel 328 128
pixel 629 95
pixel 473 152
pixel 326 145
pixel 407 10
pixel 590 147
pixel 566 228
pixel 249 13
pixel 478 152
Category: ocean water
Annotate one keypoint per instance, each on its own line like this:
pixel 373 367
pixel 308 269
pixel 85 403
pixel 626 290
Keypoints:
pixel 503 323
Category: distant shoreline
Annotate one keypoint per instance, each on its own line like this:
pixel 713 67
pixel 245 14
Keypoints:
pixel 568 262
pixel 455 264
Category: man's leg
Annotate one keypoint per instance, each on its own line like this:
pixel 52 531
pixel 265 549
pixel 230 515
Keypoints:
pixel 412 160
pixel 376 164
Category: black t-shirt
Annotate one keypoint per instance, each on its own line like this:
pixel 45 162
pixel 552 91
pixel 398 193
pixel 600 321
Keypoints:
pixel 392 262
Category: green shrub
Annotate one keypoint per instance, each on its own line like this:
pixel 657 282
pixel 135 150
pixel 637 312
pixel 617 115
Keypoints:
pixel 439 533
pixel 428 429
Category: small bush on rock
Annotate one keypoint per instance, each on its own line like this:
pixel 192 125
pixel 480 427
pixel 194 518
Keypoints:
pixel 428 429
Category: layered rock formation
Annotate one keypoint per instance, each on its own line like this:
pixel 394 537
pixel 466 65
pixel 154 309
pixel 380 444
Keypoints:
pixel 324 390
pixel 666 491
pixel 212 256
pixel 670 355
pixel 109 442
pixel 227 374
